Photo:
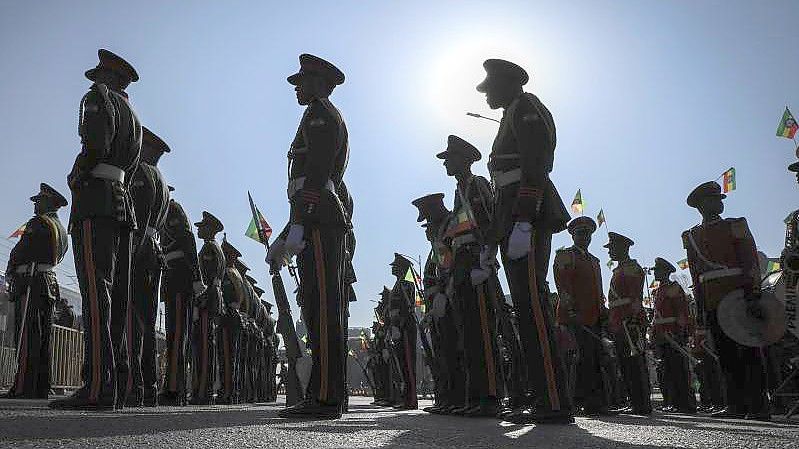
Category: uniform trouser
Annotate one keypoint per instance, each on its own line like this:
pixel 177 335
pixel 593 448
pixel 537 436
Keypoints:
pixel 589 385
pixel 228 345
pixel 483 370
pixel 178 323
pixel 677 378
pixel 743 369
pixel 320 266
pixel 32 313
pixel 406 355
pixel 203 356
pixel 102 262
pixel 635 373
pixel 513 365
pixel 438 366
pixel 546 373
pixel 711 391
pixel 143 376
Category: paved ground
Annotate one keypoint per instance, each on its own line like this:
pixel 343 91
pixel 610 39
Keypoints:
pixel 31 424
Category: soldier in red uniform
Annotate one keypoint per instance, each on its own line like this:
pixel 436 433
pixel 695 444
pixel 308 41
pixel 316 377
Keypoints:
pixel 722 257
pixel 628 322
pixel 578 278
pixel 672 325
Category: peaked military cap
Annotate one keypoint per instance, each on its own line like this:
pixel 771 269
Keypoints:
pixel 665 264
pixel 152 142
pixel 705 190
pixel 258 290
pixel 115 63
pixel 582 222
pixel 231 252
pixel 501 70
pixel 241 266
pixel 400 261
pixel 171 189
pixel 310 64
pixel 210 221
pixel 430 205
pixel 618 239
pixel 385 292
pixel 252 280
pixel 45 191
pixel 794 167
pixel 267 304
pixel 456 145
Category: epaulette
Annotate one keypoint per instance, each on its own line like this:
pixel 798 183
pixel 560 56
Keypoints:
pixel 686 243
pixel 739 228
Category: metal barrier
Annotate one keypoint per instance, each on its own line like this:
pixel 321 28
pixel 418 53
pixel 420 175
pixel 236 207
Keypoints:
pixel 66 359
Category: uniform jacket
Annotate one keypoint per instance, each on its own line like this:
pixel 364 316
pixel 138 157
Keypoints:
pixel 233 290
pixel 212 265
pixel 151 201
pixel 110 134
pixel 180 250
pixel 44 241
pixel 671 310
pixel 401 304
pixel 579 281
pixel 626 295
pixel 525 143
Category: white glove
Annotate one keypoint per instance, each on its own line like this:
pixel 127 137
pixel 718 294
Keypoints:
pixel 488 257
pixel 276 254
pixel 519 242
pixel 439 308
pixel 479 276
pixel 294 241
pixel 199 288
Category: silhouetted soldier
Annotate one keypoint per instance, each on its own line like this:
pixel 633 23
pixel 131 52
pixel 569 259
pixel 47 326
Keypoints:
pixel 250 336
pixel 722 257
pixel 579 280
pixel 672 326
pixel 33 288
pixel 234 295
pixel 182 284
pixel 316 232
pixel 527 211
pixel 151 201
pixel 101 223
pixel 403 329
pixel 207 312
pixel 628 322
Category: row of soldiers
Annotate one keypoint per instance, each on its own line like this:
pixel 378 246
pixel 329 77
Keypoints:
pixel 546 356
pixel 132 244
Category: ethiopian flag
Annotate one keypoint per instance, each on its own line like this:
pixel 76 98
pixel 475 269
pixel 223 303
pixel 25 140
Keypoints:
pixel 728 180
pixel 600 218
pixel 788 126
pixel 683 264
pixel 773 266
pixel 258 230
pixel 577 204
pixel 18 233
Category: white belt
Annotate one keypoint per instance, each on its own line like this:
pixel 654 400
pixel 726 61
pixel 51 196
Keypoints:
pixel 296 184
pixel 40 267
pixel 723 273
pixel 172 255
pixel 667 320
pixel 506 178
pixel 109 172
pixel 150 231
pixel 619 303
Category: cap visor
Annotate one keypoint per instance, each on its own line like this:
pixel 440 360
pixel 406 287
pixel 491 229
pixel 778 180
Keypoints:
pixel 442 155
pixel 482 86
pixel 90 74
pixel 294 79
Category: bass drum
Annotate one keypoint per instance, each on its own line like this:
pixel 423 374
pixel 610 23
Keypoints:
pixel 775 283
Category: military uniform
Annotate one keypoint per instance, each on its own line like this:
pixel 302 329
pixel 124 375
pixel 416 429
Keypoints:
pixel 182 283
pixel 101 223
pixel 151 201
pixel 672 320
pixel 34 291
pixel 207 312
pixel 527 211
pixel 403 334
pixel 318 158
pixel 627 323
pixel 379 365
pixel 234 294
pixel 722 257
pixel 578 278
pixel 251 334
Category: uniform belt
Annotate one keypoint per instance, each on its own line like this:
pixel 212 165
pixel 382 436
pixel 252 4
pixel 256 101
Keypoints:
pixel 723 273
pixel 619 302
pixel 109 172
pixel 151 231
pixel 667 320
pixel 506 178
pixel 296 184
pixel 172 255
pixel 462 240
pixel 40 268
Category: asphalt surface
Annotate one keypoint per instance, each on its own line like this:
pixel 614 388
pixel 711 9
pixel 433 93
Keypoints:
pixel 32 424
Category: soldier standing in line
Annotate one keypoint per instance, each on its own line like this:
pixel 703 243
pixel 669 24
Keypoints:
pixel 436 277
pixel 101 224
pixel 672 326
pixel 182 285
pixel 33 288
pixel 722 257
pixel 250 339
pixel 269 357
pixel 403 329
pixel 207 312
pixel 628 322
pixel 579 280
pixel 151 201
pixel 379 364
pixel 316 233
pixel 234 295
pixel 527 211
pixel 475 285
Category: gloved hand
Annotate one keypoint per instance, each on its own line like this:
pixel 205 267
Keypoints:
pixel 294 242
pixel 276 255
pixel 519 243
pixel 488 257
pixel 479 276
pixel 199 288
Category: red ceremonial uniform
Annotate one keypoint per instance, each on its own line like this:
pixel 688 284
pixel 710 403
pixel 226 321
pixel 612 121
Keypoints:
pixel 626 295
pixel 579 282
pixel 671 310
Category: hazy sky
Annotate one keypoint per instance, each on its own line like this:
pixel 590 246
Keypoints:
pixel 649 98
